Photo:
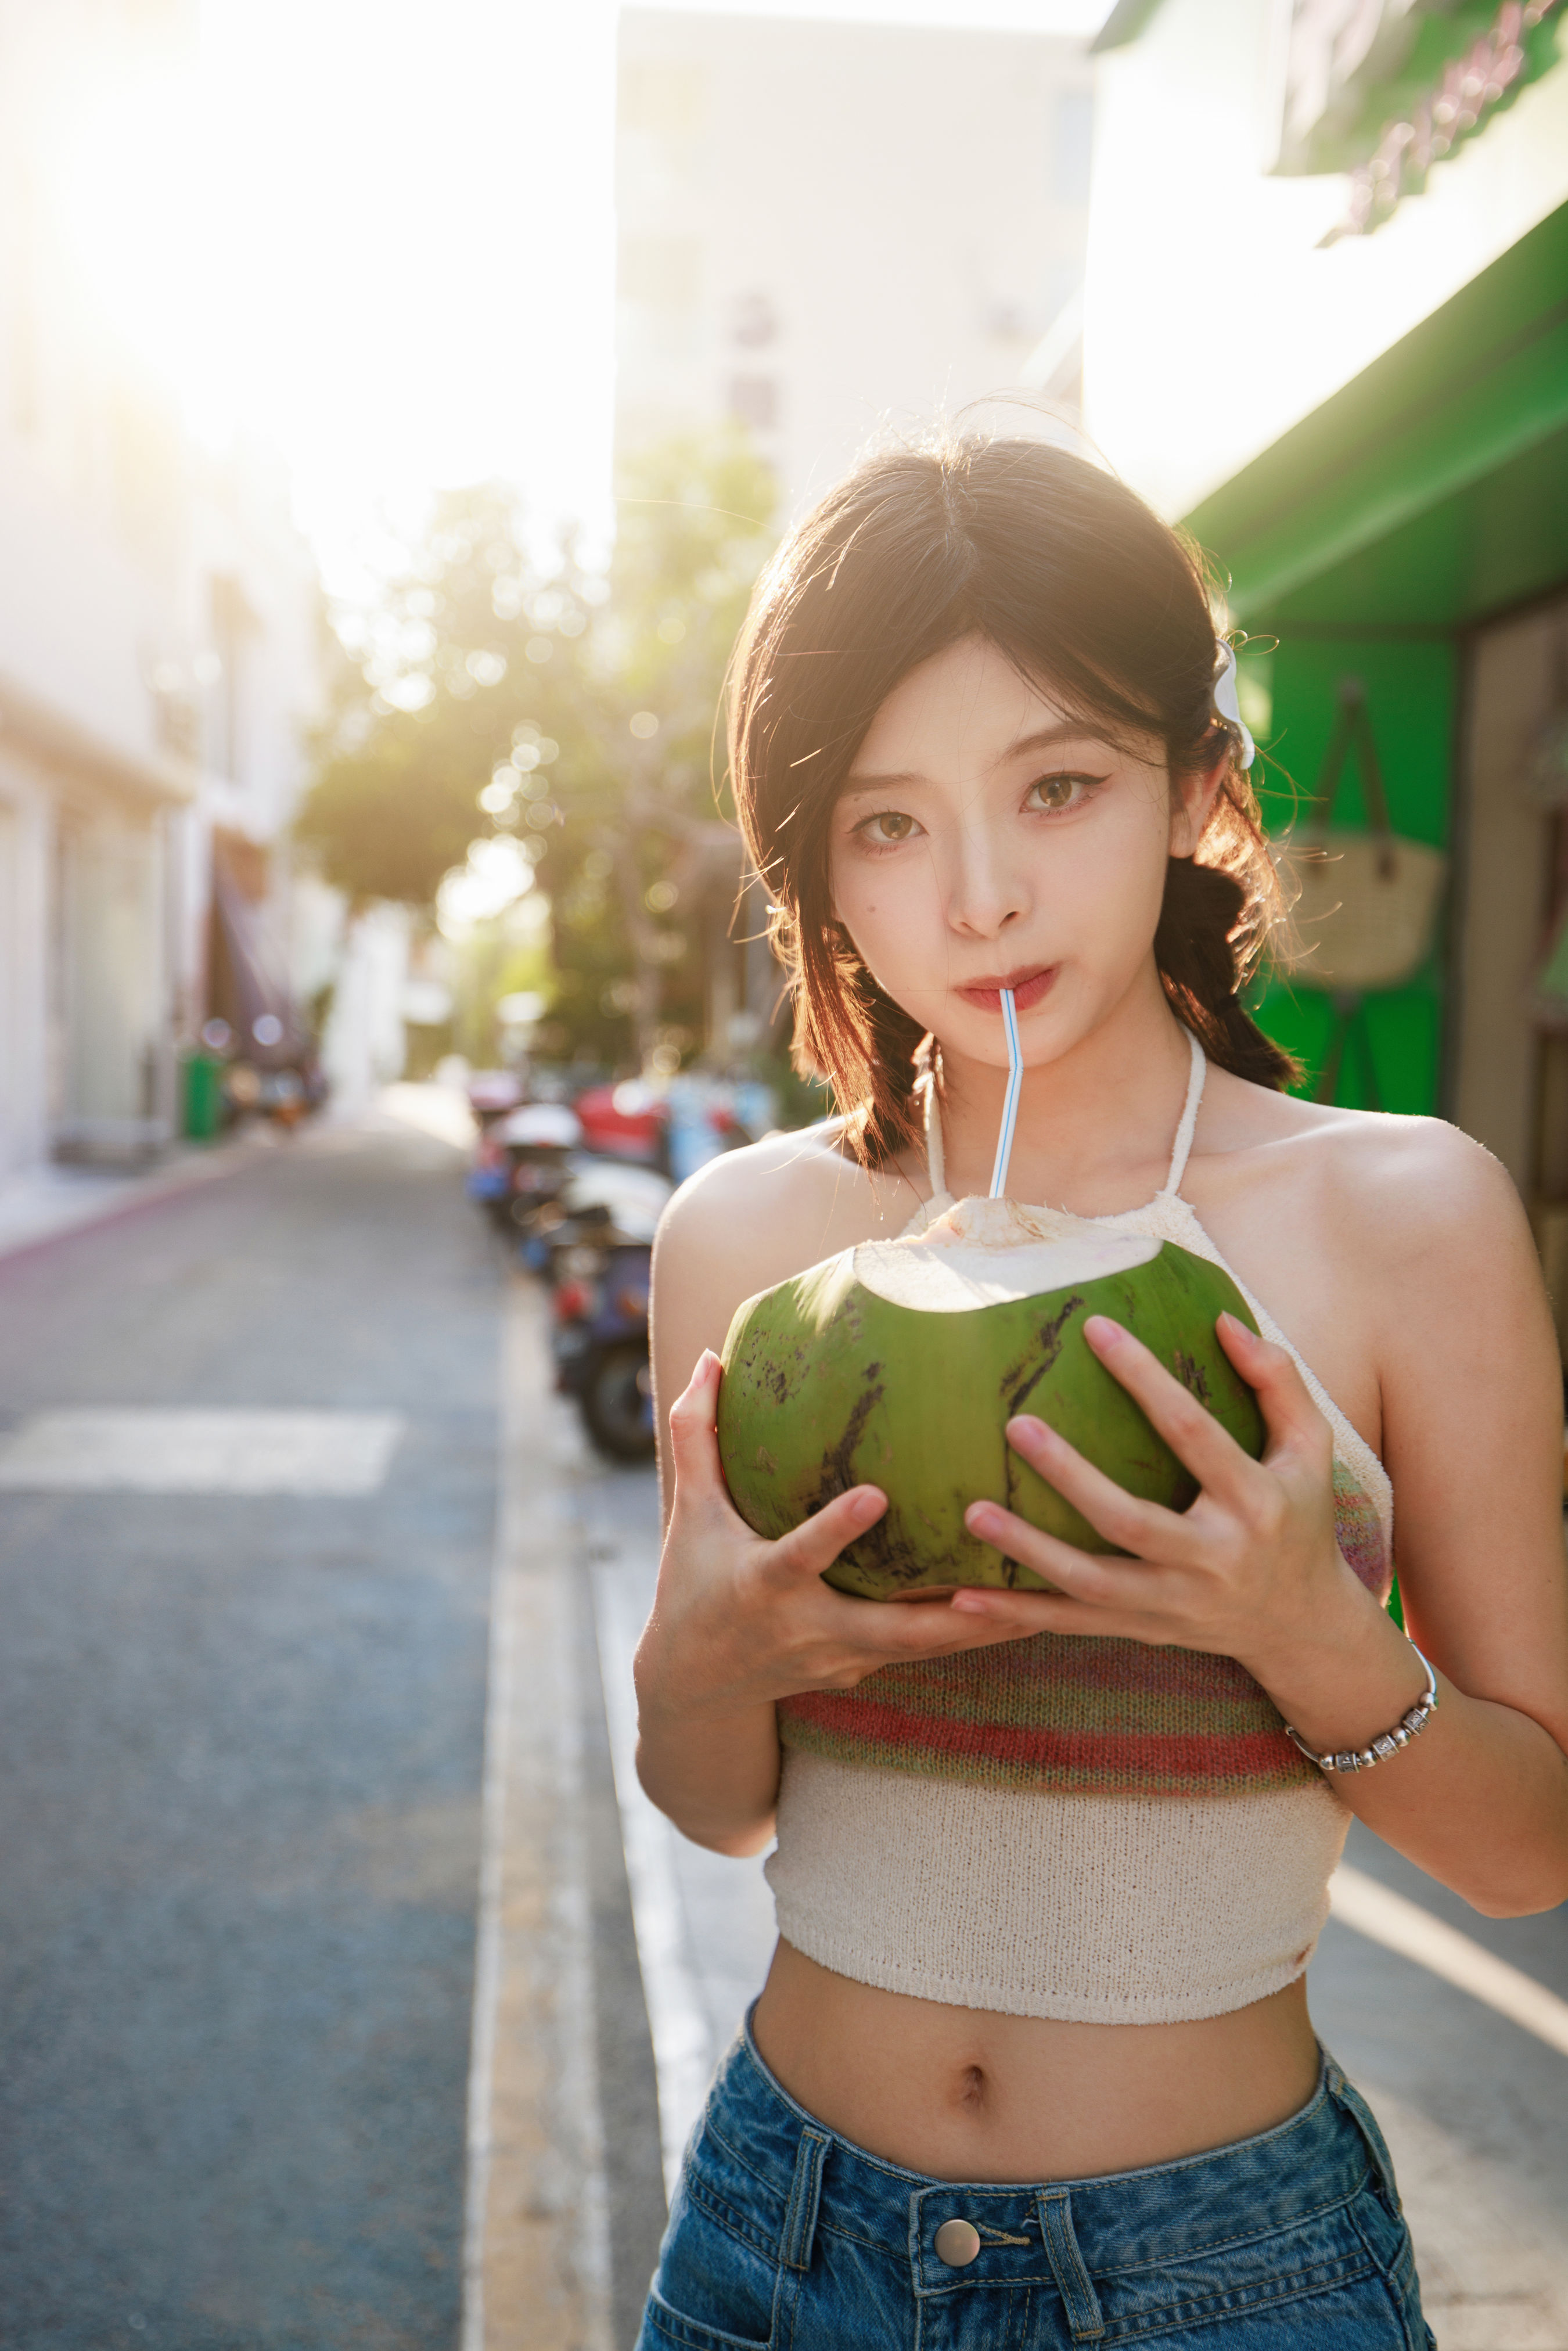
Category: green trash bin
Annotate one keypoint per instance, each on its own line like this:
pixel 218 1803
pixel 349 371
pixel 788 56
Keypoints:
pixel 202 1106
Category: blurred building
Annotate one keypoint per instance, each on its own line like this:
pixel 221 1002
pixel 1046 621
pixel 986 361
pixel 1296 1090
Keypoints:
pixel 158 655
pixel 823 227
pixel 1343 231
pixel 825 230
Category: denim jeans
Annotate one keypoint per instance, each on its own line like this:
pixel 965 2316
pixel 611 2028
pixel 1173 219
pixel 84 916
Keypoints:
pixel 786 2236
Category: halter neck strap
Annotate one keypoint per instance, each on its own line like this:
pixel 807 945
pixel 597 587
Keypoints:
pixel 1181 1147
pixel 935 1163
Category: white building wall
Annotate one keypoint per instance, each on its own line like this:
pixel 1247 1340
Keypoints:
pixel 26 889
pixel 112 528
pixel 365 1043
pixel 255 681
pixel 825 229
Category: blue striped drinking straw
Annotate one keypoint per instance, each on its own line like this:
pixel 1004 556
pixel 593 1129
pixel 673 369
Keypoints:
pixel 1011 1101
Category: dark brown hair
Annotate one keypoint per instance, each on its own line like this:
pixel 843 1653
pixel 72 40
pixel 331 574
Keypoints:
pixel 1090 595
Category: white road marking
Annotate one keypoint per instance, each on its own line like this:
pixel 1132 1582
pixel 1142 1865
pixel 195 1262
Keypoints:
pixel 1403 1925
pixel 155 1451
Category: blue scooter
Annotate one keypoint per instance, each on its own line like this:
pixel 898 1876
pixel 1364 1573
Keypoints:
pixel 600 1337
pixel 596 1251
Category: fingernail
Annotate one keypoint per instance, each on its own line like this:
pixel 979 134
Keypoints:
pixel 971 1603
pixel 1025 1428
pixel 1100 1332
pixel 982 1517
pixel 1233 1322
pixel 865 1505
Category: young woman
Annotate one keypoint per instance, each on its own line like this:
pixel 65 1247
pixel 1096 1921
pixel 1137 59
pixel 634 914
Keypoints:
pixel 1033 2064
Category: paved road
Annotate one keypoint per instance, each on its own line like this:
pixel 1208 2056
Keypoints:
pixel 239 1770
pixel 239 1777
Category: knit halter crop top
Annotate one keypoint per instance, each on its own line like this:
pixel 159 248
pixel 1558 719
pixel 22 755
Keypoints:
pixel 1070 1827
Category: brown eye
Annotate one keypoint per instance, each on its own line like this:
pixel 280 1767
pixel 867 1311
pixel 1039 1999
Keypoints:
pixel 1054 793
pixel 888 825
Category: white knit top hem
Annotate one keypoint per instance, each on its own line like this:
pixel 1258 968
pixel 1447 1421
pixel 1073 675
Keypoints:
pixel 885 1974
pixel 1093 1909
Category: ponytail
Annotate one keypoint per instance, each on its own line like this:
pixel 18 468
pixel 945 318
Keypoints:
pixel 1200 948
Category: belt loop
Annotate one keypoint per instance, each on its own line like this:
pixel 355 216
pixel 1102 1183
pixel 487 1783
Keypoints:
pixel 1345 2095
pixel 805 2192
pixel 1073 2280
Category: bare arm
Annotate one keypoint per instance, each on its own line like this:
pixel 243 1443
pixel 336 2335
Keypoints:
pixel 716 1777
pixel 738 1623
pixel 1473 1409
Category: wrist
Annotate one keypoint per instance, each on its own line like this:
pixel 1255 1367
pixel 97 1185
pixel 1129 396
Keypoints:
pixel 1347 1677
pixel 675 1702
pixel 1385 1744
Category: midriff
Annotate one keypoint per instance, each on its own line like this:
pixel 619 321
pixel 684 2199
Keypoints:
pixel 967 2094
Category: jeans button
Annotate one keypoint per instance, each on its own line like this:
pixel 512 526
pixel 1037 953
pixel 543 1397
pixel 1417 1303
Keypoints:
pixel 957 2242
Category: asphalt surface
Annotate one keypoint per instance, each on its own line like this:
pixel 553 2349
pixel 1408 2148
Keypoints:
pixel 240 1753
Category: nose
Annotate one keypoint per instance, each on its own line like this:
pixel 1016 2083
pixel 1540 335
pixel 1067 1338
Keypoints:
pixel 986 892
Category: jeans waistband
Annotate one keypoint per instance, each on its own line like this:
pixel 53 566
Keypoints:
pixel 1317 2159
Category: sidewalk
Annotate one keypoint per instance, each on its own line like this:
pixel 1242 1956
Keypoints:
pixel 54 1198
pixel 59 1197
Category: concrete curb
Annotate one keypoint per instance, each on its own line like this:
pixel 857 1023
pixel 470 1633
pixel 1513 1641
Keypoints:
pixel 535 2236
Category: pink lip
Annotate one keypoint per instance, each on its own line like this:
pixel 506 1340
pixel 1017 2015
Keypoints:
pixel 1029 987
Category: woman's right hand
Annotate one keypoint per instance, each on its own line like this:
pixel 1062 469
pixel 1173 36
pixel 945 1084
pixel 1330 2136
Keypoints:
pixel 739 1622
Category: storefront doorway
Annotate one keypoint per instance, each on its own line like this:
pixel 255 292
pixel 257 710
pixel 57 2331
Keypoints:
pixel 1509 1019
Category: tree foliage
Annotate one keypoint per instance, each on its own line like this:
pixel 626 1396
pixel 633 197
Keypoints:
pixel 583 708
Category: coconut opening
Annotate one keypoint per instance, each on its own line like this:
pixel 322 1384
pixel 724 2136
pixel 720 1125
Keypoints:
pixel 989 1252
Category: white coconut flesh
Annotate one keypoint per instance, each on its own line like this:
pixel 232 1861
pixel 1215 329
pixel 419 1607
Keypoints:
pixel 989 1252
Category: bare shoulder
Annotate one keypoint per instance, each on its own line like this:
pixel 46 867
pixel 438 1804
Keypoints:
pixel 1431 1219
pixel 1393 1190
pixel 1432 1177
pixel 755 1216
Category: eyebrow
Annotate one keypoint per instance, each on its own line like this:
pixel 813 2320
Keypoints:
pixel 1042 739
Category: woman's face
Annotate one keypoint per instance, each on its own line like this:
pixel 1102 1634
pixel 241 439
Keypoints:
pixel 985 839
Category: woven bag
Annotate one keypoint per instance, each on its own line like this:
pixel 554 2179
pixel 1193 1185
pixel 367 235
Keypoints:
pixel 1366 904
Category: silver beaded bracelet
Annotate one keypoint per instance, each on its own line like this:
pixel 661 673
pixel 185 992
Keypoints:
pixel 1389 1742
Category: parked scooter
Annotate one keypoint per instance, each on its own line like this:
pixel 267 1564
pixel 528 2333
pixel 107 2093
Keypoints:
pixel 599 1342
pixel 599 1254
pixel 493 1094
pixel 521 1165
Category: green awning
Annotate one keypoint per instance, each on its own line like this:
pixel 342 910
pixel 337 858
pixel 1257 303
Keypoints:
pixel 1433 489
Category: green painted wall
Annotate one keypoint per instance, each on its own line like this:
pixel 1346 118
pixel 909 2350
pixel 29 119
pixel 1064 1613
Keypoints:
pixel 1392 1052
pixel 1427 495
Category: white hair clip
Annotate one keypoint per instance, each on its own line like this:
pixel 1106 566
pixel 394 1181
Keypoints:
pixel 1226 704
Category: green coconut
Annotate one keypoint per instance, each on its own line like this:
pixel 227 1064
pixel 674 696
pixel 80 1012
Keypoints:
pixel 898 1364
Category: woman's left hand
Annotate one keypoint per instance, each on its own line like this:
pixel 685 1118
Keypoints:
pixel 1244 1573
